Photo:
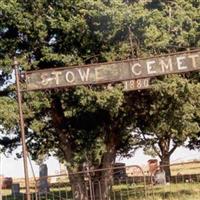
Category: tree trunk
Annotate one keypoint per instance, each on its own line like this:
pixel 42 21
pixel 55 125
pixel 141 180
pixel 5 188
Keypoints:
pixel 102 183
pixel 106 185
pixel 165 165
pixel 164 144
pixel 93 185
pixel 103 179
pixel 87 185
pixel 77 182
pixel 79 187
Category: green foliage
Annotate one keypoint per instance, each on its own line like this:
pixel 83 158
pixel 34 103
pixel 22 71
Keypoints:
pixel 169 116
pixel 9 113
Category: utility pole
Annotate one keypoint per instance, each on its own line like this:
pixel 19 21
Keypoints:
pixel 24 150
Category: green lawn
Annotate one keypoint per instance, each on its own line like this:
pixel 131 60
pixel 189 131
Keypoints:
pixel 184 191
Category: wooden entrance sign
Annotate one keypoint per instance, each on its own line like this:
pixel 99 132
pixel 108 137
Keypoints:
pixel 111 72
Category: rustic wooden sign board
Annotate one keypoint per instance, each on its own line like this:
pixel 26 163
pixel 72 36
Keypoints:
pixel 133 73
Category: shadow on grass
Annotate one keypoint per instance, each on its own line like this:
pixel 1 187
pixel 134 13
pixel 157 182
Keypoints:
pixel 181 194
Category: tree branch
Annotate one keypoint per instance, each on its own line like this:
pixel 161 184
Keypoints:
pixel 157 152
pixel 173 149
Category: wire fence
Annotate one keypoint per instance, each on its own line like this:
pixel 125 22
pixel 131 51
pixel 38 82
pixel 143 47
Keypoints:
pixel 125 183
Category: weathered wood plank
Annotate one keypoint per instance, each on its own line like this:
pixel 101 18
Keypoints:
pixel 114 72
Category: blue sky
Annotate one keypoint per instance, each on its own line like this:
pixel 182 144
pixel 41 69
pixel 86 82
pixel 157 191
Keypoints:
pixel 14 168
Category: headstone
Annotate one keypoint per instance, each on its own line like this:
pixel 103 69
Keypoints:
pixel 160 177
pixel 15 189
pixel 43 183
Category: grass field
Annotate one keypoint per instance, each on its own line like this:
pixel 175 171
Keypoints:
pixel 174 191
pixel 184 191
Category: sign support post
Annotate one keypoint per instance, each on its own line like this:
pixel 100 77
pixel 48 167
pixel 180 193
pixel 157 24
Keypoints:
pixel 24 150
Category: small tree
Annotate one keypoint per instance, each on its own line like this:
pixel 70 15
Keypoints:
pixel 167 118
